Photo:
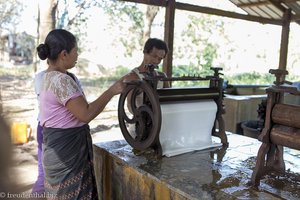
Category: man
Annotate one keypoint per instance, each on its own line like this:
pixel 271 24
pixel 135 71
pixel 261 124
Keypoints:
pixel 155 50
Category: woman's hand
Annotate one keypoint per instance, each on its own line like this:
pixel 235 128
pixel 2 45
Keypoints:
pixel 117 87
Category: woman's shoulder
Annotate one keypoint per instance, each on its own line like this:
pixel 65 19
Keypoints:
pixel 57 78
pixel 56 75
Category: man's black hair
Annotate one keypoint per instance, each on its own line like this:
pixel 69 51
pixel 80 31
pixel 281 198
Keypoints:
pixel 157 43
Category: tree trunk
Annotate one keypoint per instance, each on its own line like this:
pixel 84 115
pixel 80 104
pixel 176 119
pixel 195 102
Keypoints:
pixel 46 20
pixel 150 15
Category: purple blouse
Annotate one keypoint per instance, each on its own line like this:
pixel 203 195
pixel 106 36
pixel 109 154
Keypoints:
pixel 57 89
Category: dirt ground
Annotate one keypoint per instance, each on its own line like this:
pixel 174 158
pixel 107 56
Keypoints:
pixel 19 104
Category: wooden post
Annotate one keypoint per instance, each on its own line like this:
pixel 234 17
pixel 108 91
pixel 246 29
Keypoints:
pixel 169 36
pixel 284 39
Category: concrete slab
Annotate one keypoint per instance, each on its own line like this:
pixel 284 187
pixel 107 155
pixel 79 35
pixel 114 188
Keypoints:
pixel 218 173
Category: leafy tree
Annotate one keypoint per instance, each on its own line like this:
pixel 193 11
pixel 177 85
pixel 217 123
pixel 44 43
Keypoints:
pixel 75 19
pixel 55 14
pixel 25 45
pixel 130 15
pixel 200 45
pixel 77 16
pixel 151 13
pixel 9 14
pixel 125 17
pixel 9 19
pixel 138 21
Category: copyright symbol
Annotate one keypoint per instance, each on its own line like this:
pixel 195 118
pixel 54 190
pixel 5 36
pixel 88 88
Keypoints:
pixel 2 194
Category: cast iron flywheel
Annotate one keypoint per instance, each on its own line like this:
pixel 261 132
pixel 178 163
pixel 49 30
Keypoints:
pixel 141 124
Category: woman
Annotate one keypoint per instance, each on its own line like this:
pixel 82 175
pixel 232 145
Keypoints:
pixel 38 187
pixel 65 114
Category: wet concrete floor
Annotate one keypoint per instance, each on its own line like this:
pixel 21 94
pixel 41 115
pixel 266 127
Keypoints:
pixel 218 173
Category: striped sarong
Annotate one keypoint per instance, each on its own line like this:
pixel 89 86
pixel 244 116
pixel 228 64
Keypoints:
pixel 68 163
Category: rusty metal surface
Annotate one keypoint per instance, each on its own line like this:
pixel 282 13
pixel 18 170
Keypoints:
pixel 183 94
pixel 281 129
pixel 145 118
pixel 222 173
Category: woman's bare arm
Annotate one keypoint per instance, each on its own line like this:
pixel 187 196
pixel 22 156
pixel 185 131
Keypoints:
pixel 85 111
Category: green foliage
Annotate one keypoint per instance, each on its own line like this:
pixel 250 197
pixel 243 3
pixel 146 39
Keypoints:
pixel 182 70
pixel 118 9
pixel 199 45
pixel 293 78
pixel 250 78
pixel 255 78
pixel 9 14
pixel 120 71
pixel 176 84
pixel 130 14
pixel 209 54
pixel 190 70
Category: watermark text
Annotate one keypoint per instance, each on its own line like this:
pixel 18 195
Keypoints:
pixel 24 195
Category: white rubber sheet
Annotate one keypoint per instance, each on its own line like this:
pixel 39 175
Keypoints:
pixel 187 126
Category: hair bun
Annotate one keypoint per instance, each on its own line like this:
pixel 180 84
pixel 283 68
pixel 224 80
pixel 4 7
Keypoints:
pixel 43 51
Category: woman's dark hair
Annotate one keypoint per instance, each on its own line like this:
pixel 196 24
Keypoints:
pixel 157 43
pixel 56 41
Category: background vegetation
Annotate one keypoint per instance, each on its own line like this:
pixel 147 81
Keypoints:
pixel 201 41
